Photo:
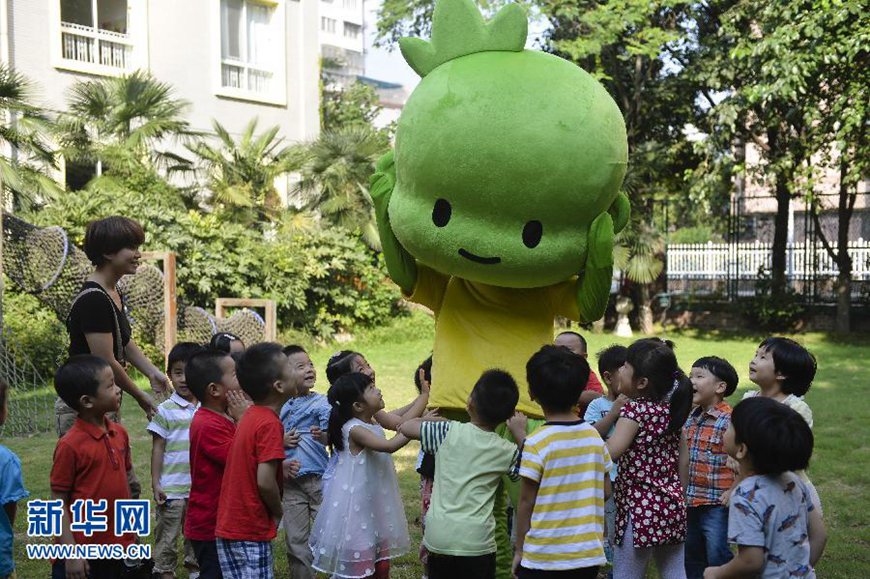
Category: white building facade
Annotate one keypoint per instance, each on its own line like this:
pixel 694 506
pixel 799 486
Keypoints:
pixel 342 40
pixel 232 60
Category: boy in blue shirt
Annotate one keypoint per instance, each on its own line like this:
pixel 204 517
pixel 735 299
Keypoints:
pixel 305 418
pixel 11 491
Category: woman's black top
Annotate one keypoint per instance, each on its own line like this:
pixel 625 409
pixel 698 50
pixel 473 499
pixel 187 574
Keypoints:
pixel 96 313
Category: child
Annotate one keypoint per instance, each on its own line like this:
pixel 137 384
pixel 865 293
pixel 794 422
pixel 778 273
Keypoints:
pixel 705 462
pixel 227 342
pixel 361 524
pixel 425 466
pixel 772 520
pixel 170 464
pixel 470 459
pixel 560 519
pixel 577 344
pixel 249 508
pixel 348 361
pixel 602 413
pixel 90 461
pixel 11 491
pixel 650 508
pixel 784 371
pixel 305 418
pixel 211 377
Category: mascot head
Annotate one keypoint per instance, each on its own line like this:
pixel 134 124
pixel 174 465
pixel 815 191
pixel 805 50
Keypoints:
pixel 504 156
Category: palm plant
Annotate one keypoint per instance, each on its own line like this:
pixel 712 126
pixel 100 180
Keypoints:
pixel 24 173
pixel 240 175
pixel 335 178
pixel 122 121
pixel 639 254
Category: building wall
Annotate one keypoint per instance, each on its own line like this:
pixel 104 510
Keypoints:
pixel 179 42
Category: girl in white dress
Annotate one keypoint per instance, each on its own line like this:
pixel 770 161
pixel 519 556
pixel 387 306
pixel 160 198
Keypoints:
pixel 361 524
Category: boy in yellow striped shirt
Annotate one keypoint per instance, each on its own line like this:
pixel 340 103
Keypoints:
pixel 560 517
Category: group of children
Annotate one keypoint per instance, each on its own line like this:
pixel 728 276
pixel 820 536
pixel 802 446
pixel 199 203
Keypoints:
pixel 659 467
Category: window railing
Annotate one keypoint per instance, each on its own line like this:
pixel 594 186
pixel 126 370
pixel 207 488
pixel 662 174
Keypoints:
pixel 95 46
pixel 241 76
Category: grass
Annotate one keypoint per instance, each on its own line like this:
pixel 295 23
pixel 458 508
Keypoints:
pixel 842 431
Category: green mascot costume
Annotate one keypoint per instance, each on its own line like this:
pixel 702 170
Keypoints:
pixel 498 206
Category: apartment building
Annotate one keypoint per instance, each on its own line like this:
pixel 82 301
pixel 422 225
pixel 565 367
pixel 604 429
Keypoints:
pixel 232 60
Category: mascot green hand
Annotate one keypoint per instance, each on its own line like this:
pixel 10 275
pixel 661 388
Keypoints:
pixel 498 207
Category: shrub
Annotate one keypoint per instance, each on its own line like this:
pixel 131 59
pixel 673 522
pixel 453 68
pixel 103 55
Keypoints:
pixel 35 331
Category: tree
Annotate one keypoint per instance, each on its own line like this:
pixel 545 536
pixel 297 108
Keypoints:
pixel 795 77
pixel 123 120
pixel 240 175
pixel 837 116
pixel 356 104
pixel 335 178
pixel 25 172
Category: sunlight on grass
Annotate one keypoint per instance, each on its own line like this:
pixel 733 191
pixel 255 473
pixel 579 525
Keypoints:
pixel 838 400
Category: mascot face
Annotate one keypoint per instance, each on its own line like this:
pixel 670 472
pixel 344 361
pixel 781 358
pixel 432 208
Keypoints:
pixel 503 158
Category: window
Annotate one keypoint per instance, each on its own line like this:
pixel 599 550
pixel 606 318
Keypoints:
pixel 352 30
pixel 95 32
pixel 328 24
pixel 251 49
pixel 349 4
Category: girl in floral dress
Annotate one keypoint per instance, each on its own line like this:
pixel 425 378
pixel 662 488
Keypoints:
pixel 650 508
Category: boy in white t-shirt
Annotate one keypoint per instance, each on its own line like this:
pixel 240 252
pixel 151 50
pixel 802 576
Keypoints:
pixel 170 465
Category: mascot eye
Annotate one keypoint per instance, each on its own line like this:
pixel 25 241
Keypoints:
pixel 532 233
pixel 441 213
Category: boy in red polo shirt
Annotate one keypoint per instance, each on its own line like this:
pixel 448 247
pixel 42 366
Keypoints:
pixel 250 503
pixel 211 377
pixel 90 461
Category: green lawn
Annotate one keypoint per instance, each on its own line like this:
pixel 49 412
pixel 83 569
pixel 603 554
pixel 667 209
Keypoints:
pixel 842 429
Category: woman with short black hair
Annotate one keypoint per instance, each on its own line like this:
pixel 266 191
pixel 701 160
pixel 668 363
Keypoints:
pixel 97 322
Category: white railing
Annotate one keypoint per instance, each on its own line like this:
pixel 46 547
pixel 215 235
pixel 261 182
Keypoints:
pixel 95 46
pixel 238 75
pixel 743 260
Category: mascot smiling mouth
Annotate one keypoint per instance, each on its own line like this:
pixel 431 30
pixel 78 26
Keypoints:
pixel 478 259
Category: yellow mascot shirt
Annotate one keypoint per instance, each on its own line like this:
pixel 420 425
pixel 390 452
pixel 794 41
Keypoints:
pixel 479 327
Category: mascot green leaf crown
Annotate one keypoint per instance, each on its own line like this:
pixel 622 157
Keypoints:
pixel 505 176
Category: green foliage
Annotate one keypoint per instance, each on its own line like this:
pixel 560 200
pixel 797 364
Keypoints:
pixel 696 234
pixel 322 281
pixel 122 117
pixel 240 176
pixel 35 329
pixel 24 128
pixel 335 178
pixel 772 312
pixel 353 105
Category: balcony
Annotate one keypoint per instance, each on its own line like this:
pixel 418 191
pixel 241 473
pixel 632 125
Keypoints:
pixel 99 51
pixel 243 77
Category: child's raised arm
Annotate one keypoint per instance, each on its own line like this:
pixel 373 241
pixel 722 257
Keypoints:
pixel 393 419
pixel 365 438
pixel 623 436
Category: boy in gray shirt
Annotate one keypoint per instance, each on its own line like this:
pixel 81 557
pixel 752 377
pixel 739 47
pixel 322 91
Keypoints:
pixel 771 519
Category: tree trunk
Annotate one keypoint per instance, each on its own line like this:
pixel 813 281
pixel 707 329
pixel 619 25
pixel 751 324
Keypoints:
pixel 782 187
pixel 843 260
pixel 644 314
pixel 844 301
